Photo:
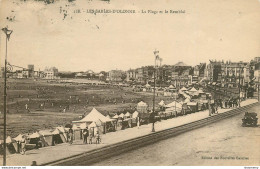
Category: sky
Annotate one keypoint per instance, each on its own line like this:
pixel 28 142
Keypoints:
pixel 208 30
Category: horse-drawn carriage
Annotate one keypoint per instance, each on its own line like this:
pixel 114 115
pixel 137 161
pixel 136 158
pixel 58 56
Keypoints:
pixel 250 119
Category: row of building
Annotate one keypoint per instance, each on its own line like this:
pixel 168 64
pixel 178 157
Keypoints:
pixel 226 73
pixel 30 72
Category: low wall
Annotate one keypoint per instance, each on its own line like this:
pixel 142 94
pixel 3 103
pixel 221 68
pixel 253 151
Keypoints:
pixel 93 156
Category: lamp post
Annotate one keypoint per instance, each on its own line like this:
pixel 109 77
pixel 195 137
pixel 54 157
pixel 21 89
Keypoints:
pixel 258 89
pixel 8 34
pixel 156 54
pixel 239 84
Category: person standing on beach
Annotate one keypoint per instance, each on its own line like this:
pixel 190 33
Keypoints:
pixel 70 136
pixel 23 144
pixel 85 135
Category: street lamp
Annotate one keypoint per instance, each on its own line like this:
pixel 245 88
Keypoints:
pixel 8 34
pixel 156 54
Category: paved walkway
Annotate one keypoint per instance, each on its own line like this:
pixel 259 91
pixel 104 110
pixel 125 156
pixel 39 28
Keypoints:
pixel 48 154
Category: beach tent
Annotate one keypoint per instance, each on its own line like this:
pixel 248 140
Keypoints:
pixel 183 89
pixel 83 125
pixel 58 137
pixel 161 103
pixel 115 116
pixel 121 115
pixel 171 87
pixel 94 127
pixel 19 137
pixel 94 115
pixel 173 104
pixel 200 91
pixel 147 85
pixel 36 138
pixel 172 109
pixel 63 131
pixel 187 100
pixel 11 145
pixel 142 107
pixel 107 116
pixel 128 115
pixel 135 114
pixel 193 106
pixel 193 90
pixel 141 103
pixel 47 136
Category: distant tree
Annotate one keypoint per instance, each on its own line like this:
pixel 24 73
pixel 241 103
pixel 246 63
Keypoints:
pixel 123 76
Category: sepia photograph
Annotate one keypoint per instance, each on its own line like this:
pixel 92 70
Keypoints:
pixel 130 83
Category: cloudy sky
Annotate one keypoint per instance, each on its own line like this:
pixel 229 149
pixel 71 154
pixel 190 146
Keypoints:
pixel 209 29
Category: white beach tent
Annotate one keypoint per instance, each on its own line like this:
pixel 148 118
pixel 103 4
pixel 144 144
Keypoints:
pixel 9 140
pixel 34 135
pixel 173 104
pixel 183 89
pixel 141 103
pixel 161 103
pixel 127 114
pixel 115 116
pixel 172 109
pixel 94 126
pixel 94 115
pixel 171 87
pixel 187 100
pixel 47 136
pixel 135 114
pixel 147 85
pixel 58 136
pixel 19 137
pixel 122 115
pixel 193 90
pixel 83 125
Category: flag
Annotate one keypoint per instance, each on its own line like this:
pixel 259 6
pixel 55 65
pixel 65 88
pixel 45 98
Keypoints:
pixel 156 52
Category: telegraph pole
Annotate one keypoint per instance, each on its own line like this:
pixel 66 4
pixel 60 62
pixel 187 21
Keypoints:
pixel 7 33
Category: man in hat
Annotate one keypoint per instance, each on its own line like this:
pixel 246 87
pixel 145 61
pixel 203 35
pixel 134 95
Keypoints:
pixel 85 135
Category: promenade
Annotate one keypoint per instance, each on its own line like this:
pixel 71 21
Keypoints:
pixel 52 153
